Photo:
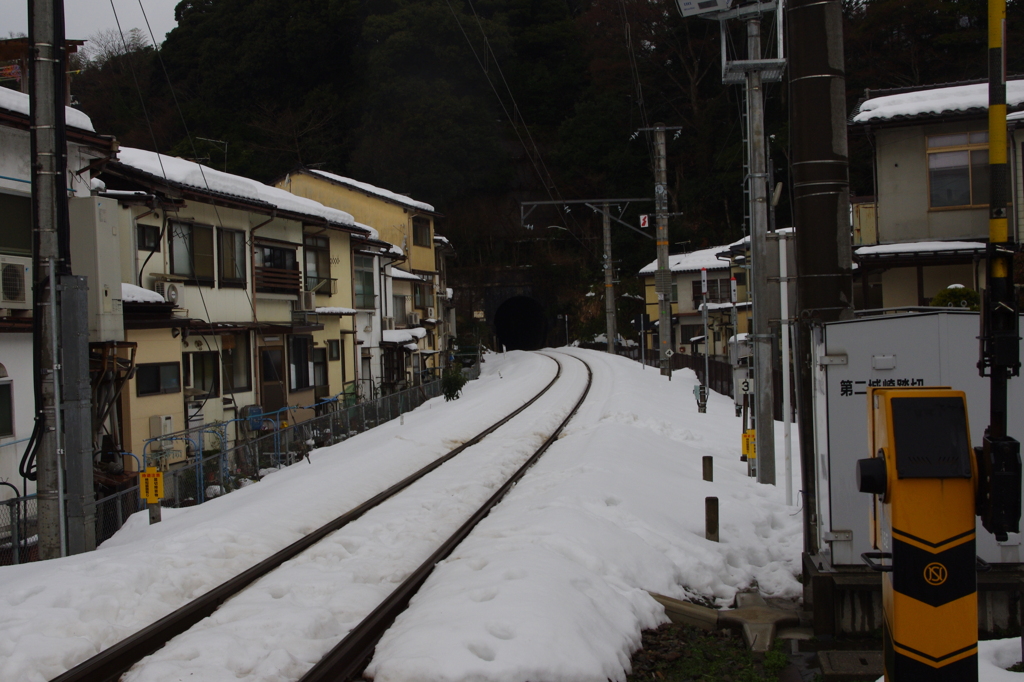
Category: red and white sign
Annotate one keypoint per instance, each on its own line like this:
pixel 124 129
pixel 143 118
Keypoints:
pixel 643 221
pixel 704 281
pixel 732 289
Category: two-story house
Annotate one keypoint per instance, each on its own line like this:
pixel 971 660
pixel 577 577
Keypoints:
pixel 927 224
pixel 410 296
pixel 687 324
pixel 262 278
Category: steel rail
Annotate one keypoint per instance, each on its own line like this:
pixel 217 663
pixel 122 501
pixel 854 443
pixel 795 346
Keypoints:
pixel 114 661
pixel 352 654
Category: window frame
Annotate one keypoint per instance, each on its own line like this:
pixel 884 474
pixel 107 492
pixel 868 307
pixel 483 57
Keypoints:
pixel 7 386
pixel 192 277
pixel 333 350
pixel 970 148
pixel 161 390
pixel 320 247
pixel 358 269
pixel 153 231
pixel 224 281
pixel 419 224
pixel 191 359
pixel 305 369
pixel 227 362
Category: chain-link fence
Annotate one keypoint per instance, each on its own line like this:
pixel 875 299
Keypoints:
pixel 18 537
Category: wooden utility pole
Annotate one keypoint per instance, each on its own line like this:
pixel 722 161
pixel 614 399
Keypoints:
pixel 821 193
pixel 49 179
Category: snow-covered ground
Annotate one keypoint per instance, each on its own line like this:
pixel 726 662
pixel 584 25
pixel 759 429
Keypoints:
pixel 552 585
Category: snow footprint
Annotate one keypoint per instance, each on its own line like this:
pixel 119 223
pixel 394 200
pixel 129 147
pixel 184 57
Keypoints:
pixel 484 594
pixel 500 630
pixel 477 564
pixel 481 651
pixel 612 501
pixel 514 574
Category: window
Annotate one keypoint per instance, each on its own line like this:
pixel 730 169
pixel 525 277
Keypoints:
pixel 421 296
pixel 364 282
pixel 719 291
pixel 157 377
pixel 191 249
pixel 6 409
pixel 15 224
pixel 202 374
pixel 319 366
pixel 147 237
pixel 318 264
pixel 232 258
pixel 300 364
pixel 399 311
pixel 277 269
pixel 421 232
pixel 236 357
pixel 958 173
pixel 333 349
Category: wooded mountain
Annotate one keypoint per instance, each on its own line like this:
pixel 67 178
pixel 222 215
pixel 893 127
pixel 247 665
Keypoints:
pixel 474 106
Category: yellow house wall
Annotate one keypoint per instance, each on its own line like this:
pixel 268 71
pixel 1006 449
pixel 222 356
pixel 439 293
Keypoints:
pixel 155 345
pixel 393 222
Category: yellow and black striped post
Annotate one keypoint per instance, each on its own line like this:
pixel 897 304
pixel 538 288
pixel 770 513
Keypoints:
pixel 923 475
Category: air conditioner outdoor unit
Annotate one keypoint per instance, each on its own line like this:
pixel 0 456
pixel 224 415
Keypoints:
pixel 15 282
pixel 389 323
pixel 431 313
pixel 173 292
pixel 306 302
pixel 414 319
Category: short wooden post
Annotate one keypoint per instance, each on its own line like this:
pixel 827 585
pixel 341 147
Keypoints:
pixel 709 463
pixel 711 518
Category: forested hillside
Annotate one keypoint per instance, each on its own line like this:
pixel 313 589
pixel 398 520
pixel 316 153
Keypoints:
pixel 475 106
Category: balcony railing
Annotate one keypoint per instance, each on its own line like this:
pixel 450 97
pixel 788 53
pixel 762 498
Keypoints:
pixel 278 281
pixel 328 286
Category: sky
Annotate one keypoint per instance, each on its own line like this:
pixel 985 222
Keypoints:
pixel 85 18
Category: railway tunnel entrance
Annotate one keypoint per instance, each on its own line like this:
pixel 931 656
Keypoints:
pixel 521 324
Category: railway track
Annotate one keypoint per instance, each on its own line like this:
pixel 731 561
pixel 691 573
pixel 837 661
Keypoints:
pixel 352 654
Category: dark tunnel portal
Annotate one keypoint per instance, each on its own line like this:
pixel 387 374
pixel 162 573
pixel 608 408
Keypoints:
pixel 520 324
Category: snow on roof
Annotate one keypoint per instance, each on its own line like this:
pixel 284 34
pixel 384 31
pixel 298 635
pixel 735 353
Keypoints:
pixel 934 101
pixel 403 335
pixel 376 191
pixel 135 294
pixel 399 273
pixel 204 178
pixel 15 101
pixel 696 338
pixel 723 306
pixel 334 310
pixel 689 262
pixel 918 247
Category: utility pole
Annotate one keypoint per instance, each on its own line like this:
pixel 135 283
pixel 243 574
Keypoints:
pixel 821 208
pixel 609 283
pixel 49 178
pixel 762 337
pixel 663 276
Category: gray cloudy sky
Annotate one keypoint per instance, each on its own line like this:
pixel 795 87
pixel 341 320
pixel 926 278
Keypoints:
pixel 85 18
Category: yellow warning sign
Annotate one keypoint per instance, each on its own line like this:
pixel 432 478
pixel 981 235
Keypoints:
pixel 935 573
pixel 750 444
pixel 151 485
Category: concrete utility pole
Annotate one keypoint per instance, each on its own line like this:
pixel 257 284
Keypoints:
pixel 46 78
pixel 663 276
pixel 821 192
pixel 762 336
pixel 609 280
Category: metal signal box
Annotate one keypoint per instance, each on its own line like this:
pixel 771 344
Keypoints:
pixel 923 476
